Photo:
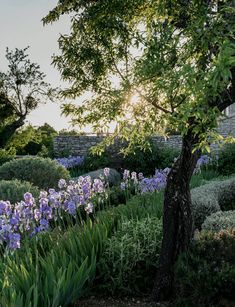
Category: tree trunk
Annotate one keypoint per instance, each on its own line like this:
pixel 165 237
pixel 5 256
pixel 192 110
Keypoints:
pixel 177 218
pixel 8 131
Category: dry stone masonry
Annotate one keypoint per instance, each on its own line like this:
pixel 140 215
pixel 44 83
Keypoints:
pixel 80 145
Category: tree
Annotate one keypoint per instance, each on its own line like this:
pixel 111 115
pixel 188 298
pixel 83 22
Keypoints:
pixel 22 88
pixel 178 59
pixel 31 140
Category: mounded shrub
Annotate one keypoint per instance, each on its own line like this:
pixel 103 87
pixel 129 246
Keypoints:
pixel 219 221
pixel 128 263
pixel 205 275
pixel 212 197
pixel 13 190
pixel 42 172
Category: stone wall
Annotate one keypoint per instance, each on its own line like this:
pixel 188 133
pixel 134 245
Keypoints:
pixel 75 145
pixel 80 145
pixel 227 126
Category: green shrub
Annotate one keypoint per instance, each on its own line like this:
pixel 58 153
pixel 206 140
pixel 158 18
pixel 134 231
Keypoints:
pixel 129 261
pixel 6 155
pixel 93 162
pixel 212 197
pixel 206 273
pixel 149 160
pixel 13 190
pixel 117 196
pixel 226 161
pixel 219 221
pixel 140 161
pixel 44 173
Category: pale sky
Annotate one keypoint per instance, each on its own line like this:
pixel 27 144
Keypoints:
pixel 21 26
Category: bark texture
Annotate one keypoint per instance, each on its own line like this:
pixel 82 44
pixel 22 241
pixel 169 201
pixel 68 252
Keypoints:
pixel 177 218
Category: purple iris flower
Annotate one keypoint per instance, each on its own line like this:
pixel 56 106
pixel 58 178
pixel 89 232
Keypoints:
pixel 14 241
pixel 44 224
pixel 72 207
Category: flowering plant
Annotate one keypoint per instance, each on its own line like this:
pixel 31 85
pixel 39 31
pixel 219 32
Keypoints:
pixel 30 217
pixel 71 161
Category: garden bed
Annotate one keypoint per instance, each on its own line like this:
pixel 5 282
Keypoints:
pixel 114 302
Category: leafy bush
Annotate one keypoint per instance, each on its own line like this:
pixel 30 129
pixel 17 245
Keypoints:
pixel 140 161
pixel 34 141
pixel 219 221
pixel 13 190
pixel 93 162
pixel 149 160
pixel 212 197
pixel 6 155
pixel 129 261
pixel 206 273
pixel 226 161
pixel 44 173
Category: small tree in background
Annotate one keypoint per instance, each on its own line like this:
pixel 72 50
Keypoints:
pixel 30 140
pixel 153 65
pixel 22 88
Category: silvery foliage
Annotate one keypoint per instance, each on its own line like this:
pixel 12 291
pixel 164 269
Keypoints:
pixel 219 221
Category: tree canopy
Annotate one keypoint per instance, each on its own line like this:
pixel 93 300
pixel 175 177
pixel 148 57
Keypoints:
pixel 153 65
pixel 150 65
pixel 22 88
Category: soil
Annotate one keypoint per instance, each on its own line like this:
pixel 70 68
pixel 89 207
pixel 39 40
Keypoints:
pixel 135 302
pixel 114 302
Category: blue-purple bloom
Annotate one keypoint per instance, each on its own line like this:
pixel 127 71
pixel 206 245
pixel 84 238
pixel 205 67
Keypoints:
pixel 14 240
pixel 71 207
pixel 106 171
pixel 71 161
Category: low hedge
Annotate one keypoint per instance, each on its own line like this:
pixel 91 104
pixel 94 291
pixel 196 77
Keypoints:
pixel 219 221
pixel 212 197
pixel 42 172
pixel 13 190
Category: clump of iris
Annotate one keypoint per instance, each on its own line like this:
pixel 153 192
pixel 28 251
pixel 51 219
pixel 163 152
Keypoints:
pixel 71 161
pixel 30 217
